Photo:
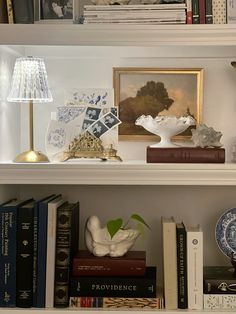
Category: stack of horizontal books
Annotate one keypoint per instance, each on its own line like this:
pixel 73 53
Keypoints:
pixel 219 287
pixel 113 282
pixel 172 13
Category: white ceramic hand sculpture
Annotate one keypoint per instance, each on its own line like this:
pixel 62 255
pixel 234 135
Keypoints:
pixel 99 242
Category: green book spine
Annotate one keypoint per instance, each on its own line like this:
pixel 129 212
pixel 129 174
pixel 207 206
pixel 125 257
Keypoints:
pixel 195 12
pixel 209 14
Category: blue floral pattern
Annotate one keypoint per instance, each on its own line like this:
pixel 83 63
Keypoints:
pixel 67 114
pixel 225 233
pixel 57 137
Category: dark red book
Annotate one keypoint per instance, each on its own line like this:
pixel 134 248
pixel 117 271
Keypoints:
pixel 133 263
pixel 185 155
pixel 202 11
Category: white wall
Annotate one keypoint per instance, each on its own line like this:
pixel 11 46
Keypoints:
pixel 9 112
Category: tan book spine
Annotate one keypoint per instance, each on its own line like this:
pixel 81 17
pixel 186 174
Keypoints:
pixel 219 11
pixel 170 263
pixel 10 12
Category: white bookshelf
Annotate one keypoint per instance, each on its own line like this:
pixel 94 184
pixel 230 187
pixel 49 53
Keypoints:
pixel 135 172
pixel 76 55
pixel 118 35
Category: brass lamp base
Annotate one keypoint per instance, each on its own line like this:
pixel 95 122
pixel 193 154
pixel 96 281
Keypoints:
pixel 31 156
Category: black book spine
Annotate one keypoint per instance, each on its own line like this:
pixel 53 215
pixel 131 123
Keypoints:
pixel 182 267
pixel 195 12
pixel 24 259
pixel 219 286
pixel 23 11
pixel 109 286
pixel 209 13
pixel 67 242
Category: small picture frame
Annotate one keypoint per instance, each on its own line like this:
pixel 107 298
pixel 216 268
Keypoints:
pixel 156 91
pixel 58 11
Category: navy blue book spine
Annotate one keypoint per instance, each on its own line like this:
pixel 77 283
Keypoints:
pixel 35 255
pixel 42 250
pixel 8 256
pixel 24 259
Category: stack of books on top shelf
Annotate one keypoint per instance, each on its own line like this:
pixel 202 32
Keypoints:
pixel 172 13
pixel 183 265
pixel 113 282
pixel 219 287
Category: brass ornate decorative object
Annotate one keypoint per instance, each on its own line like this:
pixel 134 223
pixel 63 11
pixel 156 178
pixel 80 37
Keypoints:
pixel 87 145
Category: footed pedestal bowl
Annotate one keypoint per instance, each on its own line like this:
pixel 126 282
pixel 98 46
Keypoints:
pixel 165 127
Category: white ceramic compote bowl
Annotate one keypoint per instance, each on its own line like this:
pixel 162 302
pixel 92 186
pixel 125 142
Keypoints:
pixel 165 127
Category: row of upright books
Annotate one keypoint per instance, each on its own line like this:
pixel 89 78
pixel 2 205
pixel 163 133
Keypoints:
pixel 188 284
pixel 42 266
pixel 211 11
pixel 38 240
pixel 182 265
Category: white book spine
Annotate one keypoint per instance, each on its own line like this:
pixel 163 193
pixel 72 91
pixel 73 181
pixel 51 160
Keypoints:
pixel 231 12
pixel 51 251
pixel 219 302
pixel 195 269
pixel 170 265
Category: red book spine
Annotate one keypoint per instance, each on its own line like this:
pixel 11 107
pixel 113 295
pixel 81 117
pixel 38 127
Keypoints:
pixel 185 155
pixel 189 13
pixel 109 266
pixel 202 11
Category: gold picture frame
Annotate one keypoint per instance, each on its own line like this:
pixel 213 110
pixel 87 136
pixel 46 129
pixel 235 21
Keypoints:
pixel 135 92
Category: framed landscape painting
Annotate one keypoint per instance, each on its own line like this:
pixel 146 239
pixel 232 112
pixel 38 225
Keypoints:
pixel 156 91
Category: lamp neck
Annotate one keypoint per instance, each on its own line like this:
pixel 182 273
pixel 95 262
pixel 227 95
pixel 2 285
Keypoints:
pixel 31 125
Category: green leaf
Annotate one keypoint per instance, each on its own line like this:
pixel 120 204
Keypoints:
pixel 113 226
pixel 140 228
pixel 140 219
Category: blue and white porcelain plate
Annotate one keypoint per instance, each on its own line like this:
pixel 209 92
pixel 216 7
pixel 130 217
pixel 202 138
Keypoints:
pixel 225 233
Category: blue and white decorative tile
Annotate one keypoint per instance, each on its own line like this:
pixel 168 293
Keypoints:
pixel 69 114
pixel 98 97
pixel 58 137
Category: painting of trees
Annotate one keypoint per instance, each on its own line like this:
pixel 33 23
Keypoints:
pixel 153 91
pixel 151 99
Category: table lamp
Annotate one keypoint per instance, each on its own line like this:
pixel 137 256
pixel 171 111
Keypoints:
pixel 29 84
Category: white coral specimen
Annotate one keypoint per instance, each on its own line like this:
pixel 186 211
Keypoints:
pixel 205 136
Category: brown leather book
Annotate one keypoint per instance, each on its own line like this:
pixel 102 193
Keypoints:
pixel 185 155
pixel 202 11
pixel 133 263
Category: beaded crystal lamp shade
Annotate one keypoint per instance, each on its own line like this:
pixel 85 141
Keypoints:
pixel 29 84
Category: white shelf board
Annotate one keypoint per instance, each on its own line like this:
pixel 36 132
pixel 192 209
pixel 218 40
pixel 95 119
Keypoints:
pixel 118 173
pixel 105 311
pixel 118 35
